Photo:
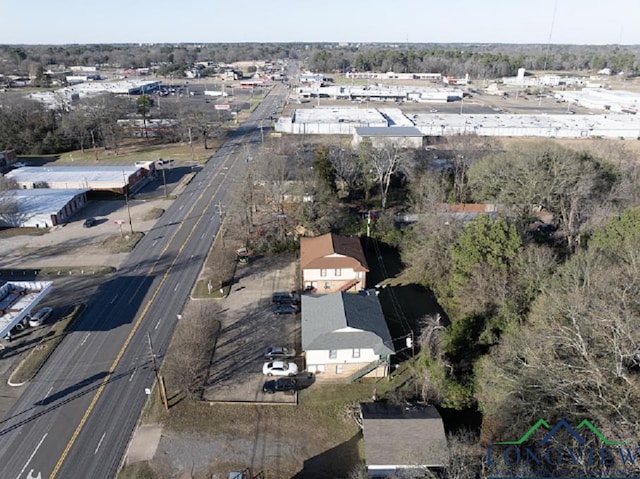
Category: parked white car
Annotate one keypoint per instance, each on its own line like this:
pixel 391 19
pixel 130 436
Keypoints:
pixel 39 317
pixel 280 368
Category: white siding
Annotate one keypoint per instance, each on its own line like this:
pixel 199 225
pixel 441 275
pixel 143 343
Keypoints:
pixel 315 357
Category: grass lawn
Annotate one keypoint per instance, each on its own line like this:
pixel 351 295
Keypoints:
pixel 218 270
pixel 131 150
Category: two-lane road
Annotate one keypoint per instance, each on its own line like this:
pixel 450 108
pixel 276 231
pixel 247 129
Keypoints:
pixel 76 418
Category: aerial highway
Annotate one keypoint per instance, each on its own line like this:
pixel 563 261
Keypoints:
pixel 75 419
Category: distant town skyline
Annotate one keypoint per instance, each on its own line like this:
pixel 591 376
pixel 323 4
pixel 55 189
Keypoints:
pixel 353 21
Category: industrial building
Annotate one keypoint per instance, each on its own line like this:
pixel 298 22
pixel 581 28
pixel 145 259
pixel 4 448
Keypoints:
pixel 382 93
pixel 618 101
pixel 63 97
pixel 40 208
pixel 344 121
pixel 330 121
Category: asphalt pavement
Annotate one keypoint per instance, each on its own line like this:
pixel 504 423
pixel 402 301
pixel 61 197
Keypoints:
pixel 76 417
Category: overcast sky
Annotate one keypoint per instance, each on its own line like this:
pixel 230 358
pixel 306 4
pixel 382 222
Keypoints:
pixel 415 21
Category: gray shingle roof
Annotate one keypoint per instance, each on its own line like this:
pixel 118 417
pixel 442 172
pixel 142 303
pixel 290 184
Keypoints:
pixel 344 321
pixel 396 435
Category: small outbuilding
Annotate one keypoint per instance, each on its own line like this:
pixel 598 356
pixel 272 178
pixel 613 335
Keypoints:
pixel 403 439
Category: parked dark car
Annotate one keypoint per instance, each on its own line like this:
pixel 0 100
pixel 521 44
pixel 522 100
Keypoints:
pixel 89 222
pixel 282 297
pixel 286 385
pixel 285 309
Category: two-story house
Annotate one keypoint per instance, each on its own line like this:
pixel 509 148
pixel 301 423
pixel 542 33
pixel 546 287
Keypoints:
pixel 345 336
pixel 332 263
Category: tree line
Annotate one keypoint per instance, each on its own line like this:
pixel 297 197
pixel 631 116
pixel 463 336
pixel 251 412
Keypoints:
pixel 478 60
pixel 32 128
pixel 16 59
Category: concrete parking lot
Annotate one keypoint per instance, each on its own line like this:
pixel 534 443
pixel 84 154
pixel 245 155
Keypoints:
pixel 249 327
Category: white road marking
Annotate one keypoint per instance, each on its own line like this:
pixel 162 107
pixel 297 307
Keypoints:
pixel 155 242
pixel 158 323
pixel 132 374
pixel 31 457
pixel 99 443
pixel 202 236
pixel 114 299
pixel 85 339
pixel 176 288
pixel 39 476
pixel 191 259
pixel 48 392
pixel 182 206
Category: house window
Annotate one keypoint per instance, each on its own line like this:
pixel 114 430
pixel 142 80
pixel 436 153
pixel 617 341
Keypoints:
pixel 323 272
pixel 359 275
pixel 338 368
pixel 356 353
pixel 338 272
pixel 333 353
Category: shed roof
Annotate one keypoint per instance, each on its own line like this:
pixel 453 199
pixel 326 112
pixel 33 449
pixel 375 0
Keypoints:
pixel 390 131
pixel 332 251
pixel 397 435
pixel 344 321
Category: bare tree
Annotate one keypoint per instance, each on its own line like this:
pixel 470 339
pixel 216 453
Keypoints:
pixel 575 357
pixel 384 163
pixel 105 111
pixel 187 361
pixel 347 168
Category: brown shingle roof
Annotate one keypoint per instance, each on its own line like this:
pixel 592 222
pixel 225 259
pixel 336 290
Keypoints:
pixel 315 253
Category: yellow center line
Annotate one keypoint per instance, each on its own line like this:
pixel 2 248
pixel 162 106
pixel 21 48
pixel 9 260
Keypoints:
pixel 136 326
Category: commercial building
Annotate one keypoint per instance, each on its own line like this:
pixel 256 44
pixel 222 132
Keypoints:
pixel 40 208
pixel 115 179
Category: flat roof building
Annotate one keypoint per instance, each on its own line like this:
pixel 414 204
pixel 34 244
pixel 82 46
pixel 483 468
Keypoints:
pixel 116 179
pixel 41 207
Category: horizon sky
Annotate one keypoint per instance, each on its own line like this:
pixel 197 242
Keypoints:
pixel 400 21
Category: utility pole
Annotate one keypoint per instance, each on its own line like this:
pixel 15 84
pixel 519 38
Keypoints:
pixel 125 190
pixel 159 379
pixel 220 212
pixel 164 179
